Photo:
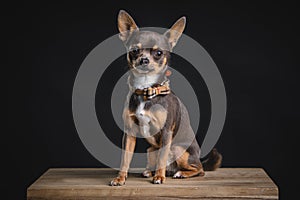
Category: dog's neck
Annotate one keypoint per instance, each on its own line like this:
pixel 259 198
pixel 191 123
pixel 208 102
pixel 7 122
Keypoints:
pixel 142 81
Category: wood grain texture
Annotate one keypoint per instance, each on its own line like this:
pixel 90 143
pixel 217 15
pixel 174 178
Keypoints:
pixel 90 184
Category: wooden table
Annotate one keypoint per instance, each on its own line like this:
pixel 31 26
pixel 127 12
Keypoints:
pixel 89 184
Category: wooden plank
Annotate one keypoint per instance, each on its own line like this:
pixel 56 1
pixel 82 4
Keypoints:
pixel 225 183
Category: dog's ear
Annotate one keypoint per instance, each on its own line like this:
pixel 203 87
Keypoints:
pixel 126 25
pixel 174 33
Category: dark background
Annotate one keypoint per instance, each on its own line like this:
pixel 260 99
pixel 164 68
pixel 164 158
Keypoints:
pixel 255 46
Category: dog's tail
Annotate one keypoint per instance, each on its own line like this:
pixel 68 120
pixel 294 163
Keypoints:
pixel 213 161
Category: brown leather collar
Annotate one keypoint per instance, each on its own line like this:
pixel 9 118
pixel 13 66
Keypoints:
pixel 155 90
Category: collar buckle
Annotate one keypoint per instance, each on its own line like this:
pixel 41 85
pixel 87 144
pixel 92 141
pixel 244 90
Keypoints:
pixel 157 89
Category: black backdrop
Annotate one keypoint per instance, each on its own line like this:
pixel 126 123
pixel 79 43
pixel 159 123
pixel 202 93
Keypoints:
pixel 254 45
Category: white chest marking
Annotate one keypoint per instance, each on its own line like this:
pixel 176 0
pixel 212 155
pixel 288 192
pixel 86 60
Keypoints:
pixel 144 120
pixel 140 110
pixel 144 124
pixel 140 114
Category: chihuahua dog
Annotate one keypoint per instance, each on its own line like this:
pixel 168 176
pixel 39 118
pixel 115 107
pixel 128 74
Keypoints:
pixel 154 111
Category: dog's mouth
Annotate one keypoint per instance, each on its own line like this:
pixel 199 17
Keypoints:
pixel 141 69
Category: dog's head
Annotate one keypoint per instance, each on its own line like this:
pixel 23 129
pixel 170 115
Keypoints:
pixel 148 52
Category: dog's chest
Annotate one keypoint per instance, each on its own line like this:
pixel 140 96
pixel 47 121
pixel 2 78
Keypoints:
pixel 142 115
pixel 150 116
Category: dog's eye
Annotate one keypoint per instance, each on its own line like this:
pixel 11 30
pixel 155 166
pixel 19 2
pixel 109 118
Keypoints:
pixel 135 50
pixel 158 53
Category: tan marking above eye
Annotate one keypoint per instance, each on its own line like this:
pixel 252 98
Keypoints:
pixel 155 47
pixel 139 45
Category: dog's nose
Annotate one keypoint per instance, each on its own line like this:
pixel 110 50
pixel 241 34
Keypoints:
pixel 144 61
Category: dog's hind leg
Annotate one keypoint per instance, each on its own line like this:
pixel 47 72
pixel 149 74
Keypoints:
pixel 187 169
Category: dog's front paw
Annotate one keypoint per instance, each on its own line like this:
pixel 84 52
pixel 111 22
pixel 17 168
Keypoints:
pixel 147 173
pixel 158 179
pixel 119 181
